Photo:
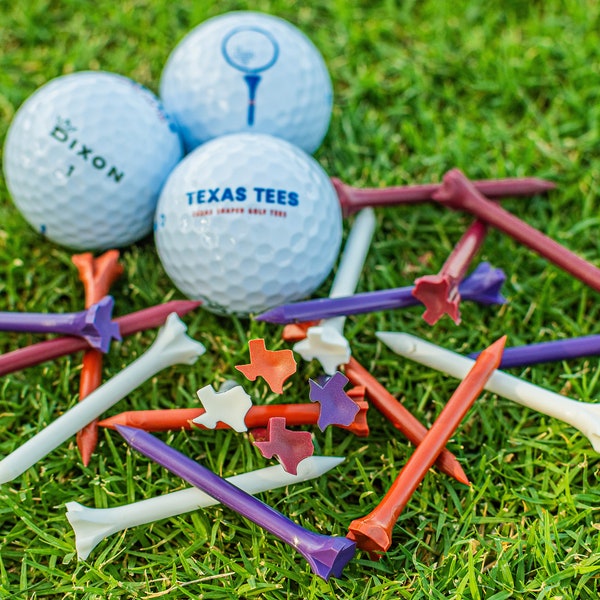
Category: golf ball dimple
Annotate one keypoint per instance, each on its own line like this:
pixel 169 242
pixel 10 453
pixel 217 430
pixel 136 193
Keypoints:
pixel 266 224
pixel 85 158
pixel 248 72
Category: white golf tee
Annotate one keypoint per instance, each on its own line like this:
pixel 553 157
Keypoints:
pixel 581 415
pixel 92 525
pixel 326 341
pixel 170 347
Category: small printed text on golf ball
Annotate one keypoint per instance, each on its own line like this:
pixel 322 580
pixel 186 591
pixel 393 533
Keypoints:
pixel 206 212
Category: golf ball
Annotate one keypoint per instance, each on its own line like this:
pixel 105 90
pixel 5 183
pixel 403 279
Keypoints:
pixel 248 71
pixel 246 222
pixel 85 158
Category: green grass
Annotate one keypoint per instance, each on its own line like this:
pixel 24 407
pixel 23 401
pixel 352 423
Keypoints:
pixel 497 89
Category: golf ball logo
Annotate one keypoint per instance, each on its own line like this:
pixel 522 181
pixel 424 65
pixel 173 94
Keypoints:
pixel 63 131
pixel 250 50
pixel 266 195
pixel 268 202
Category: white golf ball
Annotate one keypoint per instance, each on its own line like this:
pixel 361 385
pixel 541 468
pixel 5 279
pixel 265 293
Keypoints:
pixel 85 158
pixel 246 222
pixel 248 71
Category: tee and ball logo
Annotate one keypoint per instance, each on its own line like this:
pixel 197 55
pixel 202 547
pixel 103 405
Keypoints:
pixel 83 154
pixel 250 50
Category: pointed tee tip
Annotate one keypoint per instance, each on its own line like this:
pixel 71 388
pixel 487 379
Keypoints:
pixel 126 431
pixel 500 343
